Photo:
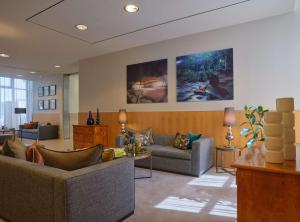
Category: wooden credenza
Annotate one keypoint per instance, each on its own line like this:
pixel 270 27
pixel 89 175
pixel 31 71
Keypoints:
pixel 87 136
pixel 267 192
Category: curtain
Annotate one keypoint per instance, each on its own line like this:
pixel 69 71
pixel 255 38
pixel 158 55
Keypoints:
pixel 15 93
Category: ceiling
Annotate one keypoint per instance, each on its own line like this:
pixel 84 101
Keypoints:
pixel 38 34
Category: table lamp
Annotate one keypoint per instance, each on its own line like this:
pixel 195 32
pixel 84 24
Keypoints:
pixel 229 121
pixel 123 120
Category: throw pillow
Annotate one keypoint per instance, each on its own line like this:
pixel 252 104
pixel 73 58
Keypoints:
pixel 149 134
pixel 18 148
pixel 35 124
pixel 33 154
pixel 6 150
pixel 142 138
pixel 192 138
pixel 28 126
pixel 108 155
pixel 181 141
pixel 72 160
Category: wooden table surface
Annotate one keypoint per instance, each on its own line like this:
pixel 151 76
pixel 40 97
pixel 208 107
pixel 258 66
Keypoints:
pixel 259 164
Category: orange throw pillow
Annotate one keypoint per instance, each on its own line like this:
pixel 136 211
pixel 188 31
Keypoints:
pixel 33 154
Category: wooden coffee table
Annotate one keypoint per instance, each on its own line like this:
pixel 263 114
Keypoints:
pixel 145 155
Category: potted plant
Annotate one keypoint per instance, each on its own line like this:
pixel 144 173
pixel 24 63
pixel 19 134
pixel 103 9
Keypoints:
pixel 253 127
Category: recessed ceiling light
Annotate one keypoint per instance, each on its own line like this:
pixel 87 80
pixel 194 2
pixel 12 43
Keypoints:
pixel 32 72
pixel 4 55
pixel 57 66
pixel 19 75
pixel 131 8
pixel 81 27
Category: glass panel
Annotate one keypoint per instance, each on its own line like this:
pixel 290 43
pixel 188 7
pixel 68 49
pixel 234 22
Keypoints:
pixel 20 84
pixel 15 93
pixel 5 81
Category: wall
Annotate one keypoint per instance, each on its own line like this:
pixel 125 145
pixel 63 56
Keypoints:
pixel 73 101
pixel 266 57
pixel 52 116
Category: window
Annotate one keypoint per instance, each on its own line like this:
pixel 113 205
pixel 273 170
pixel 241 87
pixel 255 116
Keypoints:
pixel 15 93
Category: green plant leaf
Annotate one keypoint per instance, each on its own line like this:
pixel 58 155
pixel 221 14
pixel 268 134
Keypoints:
pixel 259 109
pixel 251 142
pixel 252 119
pixel 258 123
pixel 245 131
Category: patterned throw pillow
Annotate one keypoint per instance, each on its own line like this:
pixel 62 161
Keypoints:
pixel 181 141
pixel 149 134
pixel 142 138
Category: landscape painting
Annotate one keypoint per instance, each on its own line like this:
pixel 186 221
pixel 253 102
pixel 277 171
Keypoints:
pixel 205 76
pixel 147 82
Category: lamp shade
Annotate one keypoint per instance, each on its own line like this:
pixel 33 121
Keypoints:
pixel 229 117
pixel 122 116
pixel 20 110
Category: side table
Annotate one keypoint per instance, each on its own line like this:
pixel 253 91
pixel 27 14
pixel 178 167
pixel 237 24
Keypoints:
pixel 221 149
pixel 144 155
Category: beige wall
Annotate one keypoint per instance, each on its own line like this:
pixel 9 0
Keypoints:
pixel 266 66
pixel 73 101
pixel 48 80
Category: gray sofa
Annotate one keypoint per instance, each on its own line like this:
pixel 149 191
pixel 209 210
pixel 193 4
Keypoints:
pixel 41 132
pixel 195 161
pixel 34 193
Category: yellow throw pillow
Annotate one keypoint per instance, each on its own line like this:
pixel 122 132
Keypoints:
pixel 72 160
pixel 108 155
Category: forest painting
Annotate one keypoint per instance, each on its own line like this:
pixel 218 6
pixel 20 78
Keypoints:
pixel 205 76
pixel 147 82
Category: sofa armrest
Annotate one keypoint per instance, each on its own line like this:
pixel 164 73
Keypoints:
pixel 102 192
pixel 202 155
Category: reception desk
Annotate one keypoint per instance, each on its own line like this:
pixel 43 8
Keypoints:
pixel 267 192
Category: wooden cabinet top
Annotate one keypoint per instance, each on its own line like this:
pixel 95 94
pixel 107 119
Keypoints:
pixel 259 164
pixel 101 125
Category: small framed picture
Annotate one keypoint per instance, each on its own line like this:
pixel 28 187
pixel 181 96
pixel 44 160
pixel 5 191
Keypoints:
pixel 46 90
pixel 46 104
pixel 52 104
pixel 40 91
pixel 41 104
pixel 52 90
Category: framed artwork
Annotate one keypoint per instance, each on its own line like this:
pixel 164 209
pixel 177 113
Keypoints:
pixel 41 104
pixel 46 104
pixel 46 90
pixel 53 104
pixel 40 91
pixel 52 90
pixel 147 82
pixel 205 76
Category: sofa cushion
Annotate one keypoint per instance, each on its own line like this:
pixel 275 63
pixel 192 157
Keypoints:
pixel 164 140
pixel 169 152
pixel 71 160
pixel 30 130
